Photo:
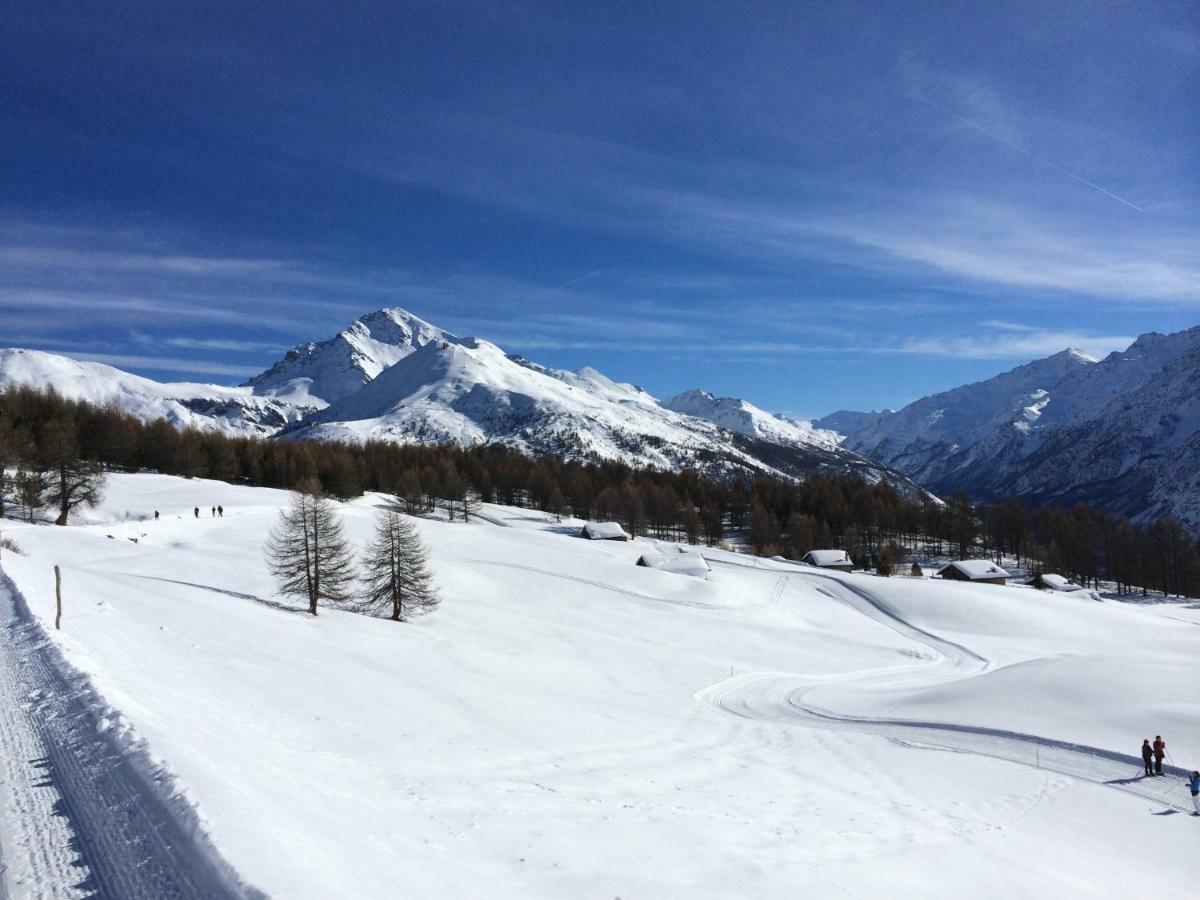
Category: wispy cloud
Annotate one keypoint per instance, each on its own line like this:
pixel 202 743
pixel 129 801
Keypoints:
pixel 231 345
pixel 168 364
pixel 1009 341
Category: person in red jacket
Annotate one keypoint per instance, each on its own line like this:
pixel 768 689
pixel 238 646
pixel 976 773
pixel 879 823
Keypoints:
pixel 1160 750
pixel 1147 755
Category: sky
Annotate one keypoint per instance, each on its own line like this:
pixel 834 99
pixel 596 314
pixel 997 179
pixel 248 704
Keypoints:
pixel 812 206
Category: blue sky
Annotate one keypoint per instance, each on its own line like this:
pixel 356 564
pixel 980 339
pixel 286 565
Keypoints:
pixel 814 206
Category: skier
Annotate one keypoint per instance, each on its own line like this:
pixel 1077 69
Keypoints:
pixel 196 512
pixel 1194 787
pixel 156 515
pixel 214 512
pixel 1160 750
pixel 221 511
pixel 1147 755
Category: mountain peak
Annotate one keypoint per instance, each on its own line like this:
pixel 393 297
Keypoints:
pixel 1074 353
pixel 321 373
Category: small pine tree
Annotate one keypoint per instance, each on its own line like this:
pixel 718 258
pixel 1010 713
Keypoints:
pixel 307 550
pixel 396 575
pixel 915 571
pixel 1038 581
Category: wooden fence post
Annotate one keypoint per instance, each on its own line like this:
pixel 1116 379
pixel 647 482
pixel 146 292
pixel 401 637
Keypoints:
pixel 57 599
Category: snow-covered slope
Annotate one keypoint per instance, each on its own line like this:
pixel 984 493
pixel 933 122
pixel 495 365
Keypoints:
pixel 469 391
pixel 335 368
pixel 569 724
pixel 1123 432
pixel 744 417
pixel 233 410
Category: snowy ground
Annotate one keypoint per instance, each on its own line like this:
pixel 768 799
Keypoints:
pixel 569 724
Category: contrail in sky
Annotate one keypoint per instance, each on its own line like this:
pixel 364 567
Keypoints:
pixel 1020 149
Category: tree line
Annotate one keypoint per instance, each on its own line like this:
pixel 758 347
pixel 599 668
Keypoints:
pixel 876 524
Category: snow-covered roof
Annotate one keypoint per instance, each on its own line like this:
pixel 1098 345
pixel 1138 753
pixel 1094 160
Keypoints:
pixel 1059 583
pixel 976 569
pixel 605 531
pixel 827 557
pixel 683 562
pixel 652 558
pixel 696 566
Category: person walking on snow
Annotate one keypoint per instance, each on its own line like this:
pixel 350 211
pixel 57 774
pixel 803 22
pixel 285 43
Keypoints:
pixel 1160 749
pixel 1194 787
pixel 196 512
pixel 221 511
pixel 1147 755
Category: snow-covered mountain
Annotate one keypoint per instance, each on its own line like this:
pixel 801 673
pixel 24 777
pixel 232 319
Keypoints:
pixel 745 418
pixel 233 410
pixel 317 374
pixel 470 391
pixel 1122 432
pixel 393 376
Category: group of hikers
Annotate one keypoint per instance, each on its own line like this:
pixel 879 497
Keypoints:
pixel 218 512
pixel 1152 757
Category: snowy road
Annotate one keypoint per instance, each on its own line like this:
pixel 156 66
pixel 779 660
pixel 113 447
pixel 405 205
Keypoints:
pixel 77 816
pixel 782 698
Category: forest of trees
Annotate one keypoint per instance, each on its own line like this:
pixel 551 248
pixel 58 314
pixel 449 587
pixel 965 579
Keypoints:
pixel 875 523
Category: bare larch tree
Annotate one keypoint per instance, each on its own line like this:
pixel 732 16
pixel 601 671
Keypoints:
pixel 396 573
pixel 72 481
pixel 307 550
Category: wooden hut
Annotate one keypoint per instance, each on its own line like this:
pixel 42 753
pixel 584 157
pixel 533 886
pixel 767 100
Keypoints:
pixel 829 559
pixel 979 571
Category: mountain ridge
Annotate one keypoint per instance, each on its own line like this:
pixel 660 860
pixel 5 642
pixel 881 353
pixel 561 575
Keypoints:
pixel 1121 433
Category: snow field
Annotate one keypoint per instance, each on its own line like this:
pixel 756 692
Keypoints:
pixel 551 729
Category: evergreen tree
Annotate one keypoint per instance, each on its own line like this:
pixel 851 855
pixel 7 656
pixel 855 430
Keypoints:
pixel 396 573
pixel 307 550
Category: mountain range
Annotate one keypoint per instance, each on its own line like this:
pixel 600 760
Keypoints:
pixel 395 377
pixel 1121 433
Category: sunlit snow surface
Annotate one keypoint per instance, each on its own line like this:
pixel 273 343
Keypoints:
pixel 570 724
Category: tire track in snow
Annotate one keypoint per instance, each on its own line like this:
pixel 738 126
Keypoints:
pixel 85 813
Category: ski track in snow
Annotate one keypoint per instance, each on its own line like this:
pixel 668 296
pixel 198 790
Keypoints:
pixel 781 698
pixel 77 817
pixel 692 604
